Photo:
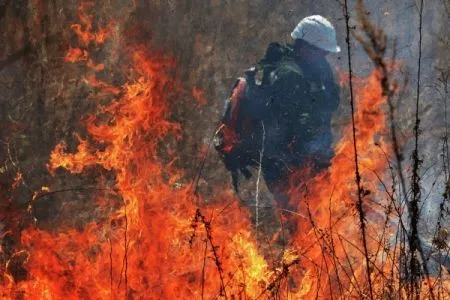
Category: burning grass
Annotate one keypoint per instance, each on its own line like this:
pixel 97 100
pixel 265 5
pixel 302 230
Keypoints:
pixel 160 244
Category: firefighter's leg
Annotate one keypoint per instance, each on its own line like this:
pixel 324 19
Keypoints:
pixel 275 176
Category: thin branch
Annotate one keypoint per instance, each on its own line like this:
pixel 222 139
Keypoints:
pixel 204 268
pixel 323 249
pixel 357 175
pixel 207 225
pixel 413 207
pixel 261 155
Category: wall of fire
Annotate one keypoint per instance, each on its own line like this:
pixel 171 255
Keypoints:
pixel 43 98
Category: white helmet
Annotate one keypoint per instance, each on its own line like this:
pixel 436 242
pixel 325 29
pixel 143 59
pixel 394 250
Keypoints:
pixel 317 31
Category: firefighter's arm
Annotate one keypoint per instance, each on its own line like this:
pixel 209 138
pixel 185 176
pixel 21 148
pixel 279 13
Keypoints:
pixel 287 84
pixel 257 96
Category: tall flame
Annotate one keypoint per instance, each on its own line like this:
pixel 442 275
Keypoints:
pixel 143 248
pixel 330 235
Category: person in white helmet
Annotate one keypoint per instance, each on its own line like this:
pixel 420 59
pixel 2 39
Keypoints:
pixel 290 109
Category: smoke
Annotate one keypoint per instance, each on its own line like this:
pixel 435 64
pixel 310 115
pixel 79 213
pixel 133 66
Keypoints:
pixel 213 42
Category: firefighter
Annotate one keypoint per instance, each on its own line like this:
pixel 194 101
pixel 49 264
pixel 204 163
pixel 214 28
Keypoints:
pixel 286 116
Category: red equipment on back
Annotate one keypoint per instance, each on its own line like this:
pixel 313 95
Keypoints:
pixel 228 133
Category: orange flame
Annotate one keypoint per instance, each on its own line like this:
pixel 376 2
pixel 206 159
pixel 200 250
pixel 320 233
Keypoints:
pixel 150 248
pixel 76 55
pixel 84 30
pixel 143 248
pixel 86 36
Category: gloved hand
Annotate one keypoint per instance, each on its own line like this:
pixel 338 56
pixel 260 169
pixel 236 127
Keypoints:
pixel 235 159
pixel 237 163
